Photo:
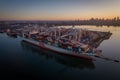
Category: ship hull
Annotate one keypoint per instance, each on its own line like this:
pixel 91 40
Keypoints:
pixel 59 50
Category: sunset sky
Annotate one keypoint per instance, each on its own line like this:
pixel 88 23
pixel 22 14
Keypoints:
pixel 58 9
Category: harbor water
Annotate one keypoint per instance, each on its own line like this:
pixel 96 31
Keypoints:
pixel 19 60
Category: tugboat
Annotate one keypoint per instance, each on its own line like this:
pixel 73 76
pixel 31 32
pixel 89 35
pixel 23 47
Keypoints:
pixel 11 33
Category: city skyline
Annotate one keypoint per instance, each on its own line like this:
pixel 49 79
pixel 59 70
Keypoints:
pixel 58 10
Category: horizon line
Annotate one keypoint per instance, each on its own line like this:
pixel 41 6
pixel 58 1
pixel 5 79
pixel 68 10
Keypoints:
pixel 56 19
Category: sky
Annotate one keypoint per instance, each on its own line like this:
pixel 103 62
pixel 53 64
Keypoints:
pixel 58 9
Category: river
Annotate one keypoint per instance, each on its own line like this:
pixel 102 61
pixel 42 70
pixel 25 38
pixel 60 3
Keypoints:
pixel 21 60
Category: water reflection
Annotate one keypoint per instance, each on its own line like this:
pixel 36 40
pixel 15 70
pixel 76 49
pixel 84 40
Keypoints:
pixel 62 59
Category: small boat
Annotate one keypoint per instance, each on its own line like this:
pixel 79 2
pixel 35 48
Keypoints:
pixel 61 51
pixel 12 34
